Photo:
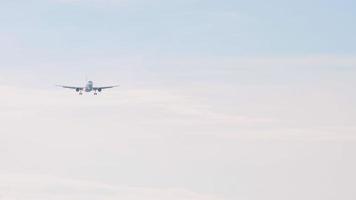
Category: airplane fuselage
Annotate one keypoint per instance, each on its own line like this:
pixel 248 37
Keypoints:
pixel 89 86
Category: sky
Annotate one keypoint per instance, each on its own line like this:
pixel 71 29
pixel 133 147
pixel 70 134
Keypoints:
pixel 218 100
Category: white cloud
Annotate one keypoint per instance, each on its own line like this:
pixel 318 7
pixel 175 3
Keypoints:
pixel 258 111
pixel 190 132
pixel 20 100
pixel 38 187
pixel 261 62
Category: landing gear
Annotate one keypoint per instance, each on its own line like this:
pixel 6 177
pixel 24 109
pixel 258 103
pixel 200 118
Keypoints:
pixel 80 93
pixel 95 93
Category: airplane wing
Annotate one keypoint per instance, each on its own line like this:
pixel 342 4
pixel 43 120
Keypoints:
pixel 103 88
pixel 71 87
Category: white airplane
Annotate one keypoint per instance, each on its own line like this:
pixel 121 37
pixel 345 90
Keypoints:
pixel 89 87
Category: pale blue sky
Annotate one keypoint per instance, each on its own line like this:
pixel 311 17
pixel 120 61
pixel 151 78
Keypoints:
pixel 198 27
pixel 219 100
pixel 41 33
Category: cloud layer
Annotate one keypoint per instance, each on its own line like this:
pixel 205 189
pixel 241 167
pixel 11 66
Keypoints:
pixel 31 187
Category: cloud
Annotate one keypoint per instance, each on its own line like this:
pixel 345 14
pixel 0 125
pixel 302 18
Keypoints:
pixel 223 110
pixel 28 187
pixel 174 103
pixel 259 97
pixel 264 62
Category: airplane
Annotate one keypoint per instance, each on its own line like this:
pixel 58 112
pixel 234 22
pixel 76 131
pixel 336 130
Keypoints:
pixel 89 87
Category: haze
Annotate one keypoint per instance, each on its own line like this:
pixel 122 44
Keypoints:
pixel 218 100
